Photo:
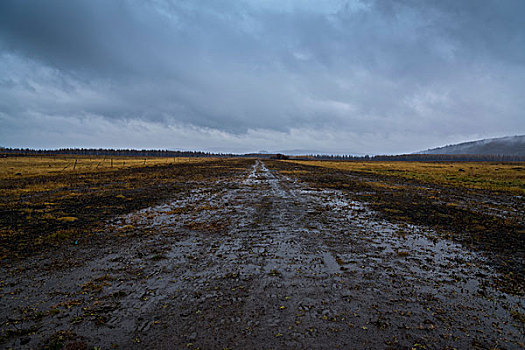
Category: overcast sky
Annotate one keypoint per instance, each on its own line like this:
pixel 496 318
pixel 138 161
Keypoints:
pixel 353 77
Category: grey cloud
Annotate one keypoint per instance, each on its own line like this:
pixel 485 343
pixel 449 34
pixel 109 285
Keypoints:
pixel 357 70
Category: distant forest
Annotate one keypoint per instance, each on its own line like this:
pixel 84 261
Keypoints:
pixel 112 152
pixel 6 152
pixel 425 158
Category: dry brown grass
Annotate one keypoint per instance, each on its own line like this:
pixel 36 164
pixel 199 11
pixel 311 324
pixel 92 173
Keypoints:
pixel 51 201
pixel 477 207
pixel 12 167
pixel 508 177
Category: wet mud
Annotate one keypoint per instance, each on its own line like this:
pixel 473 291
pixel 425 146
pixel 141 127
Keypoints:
pixel 259 261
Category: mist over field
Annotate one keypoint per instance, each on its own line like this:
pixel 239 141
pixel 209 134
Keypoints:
pixel 356 77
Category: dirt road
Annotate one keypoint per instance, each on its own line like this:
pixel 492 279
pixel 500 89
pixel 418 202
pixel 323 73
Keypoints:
pixel 259 261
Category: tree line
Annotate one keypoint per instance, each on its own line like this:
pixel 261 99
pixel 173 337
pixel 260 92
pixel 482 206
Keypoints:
pixel 424 158
pixel 168 153
pixel 112 152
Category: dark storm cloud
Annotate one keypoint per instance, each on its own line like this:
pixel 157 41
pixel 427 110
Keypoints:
pixel 355 76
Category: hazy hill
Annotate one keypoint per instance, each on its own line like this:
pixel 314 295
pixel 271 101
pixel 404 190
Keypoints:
pixel 508 146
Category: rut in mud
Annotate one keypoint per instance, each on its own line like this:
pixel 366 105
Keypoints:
pixel 261 261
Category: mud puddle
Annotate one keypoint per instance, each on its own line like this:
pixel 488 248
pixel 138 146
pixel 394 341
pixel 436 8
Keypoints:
pixel 262 262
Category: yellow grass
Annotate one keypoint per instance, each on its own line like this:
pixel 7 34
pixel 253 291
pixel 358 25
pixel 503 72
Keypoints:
pixel 509 177
pixel 12 167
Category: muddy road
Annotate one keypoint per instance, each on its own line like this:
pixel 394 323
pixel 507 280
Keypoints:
pixel 259 261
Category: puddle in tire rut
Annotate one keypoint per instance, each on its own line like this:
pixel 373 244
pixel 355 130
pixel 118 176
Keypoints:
pixel 265 262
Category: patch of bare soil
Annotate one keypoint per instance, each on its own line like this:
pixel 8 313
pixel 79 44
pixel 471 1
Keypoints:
pixel 259 261
pixel 491 223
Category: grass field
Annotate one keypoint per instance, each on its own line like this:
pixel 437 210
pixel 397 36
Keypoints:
pixel 480 205
pixel 126 252
pixel 45 200
pixel 53 165
pixel 509 177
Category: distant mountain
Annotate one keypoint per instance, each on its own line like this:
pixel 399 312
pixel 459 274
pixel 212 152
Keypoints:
pixel 508 146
